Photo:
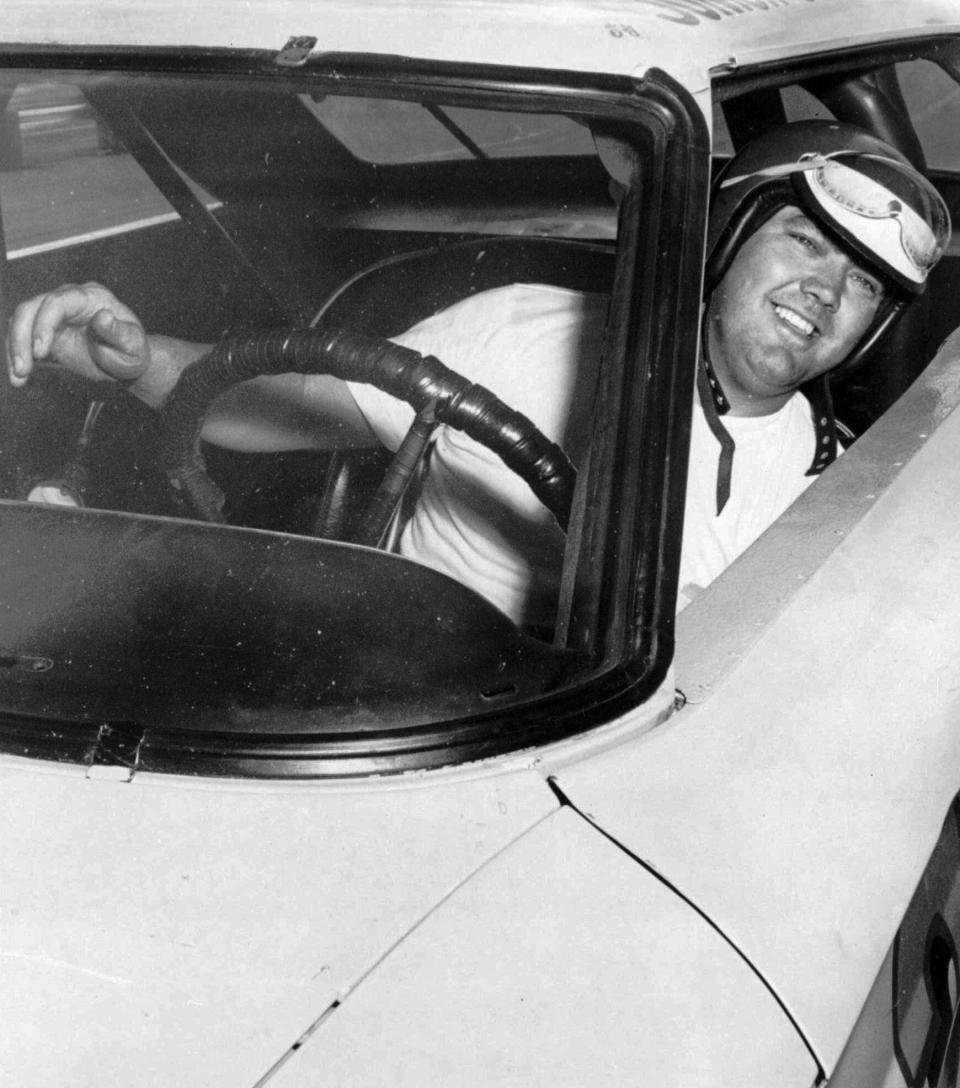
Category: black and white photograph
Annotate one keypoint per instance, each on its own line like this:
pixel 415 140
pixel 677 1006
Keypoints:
pixel 480 544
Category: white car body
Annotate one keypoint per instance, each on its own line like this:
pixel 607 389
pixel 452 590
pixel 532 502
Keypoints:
pixel 703 891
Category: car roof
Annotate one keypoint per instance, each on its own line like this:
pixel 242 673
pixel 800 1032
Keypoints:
pixel 687 38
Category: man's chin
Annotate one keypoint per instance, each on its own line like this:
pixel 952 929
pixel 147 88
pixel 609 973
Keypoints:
pixel 791 374
pixel 780 382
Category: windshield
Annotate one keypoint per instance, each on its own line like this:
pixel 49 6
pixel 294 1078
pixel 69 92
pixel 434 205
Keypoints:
pixel 371 545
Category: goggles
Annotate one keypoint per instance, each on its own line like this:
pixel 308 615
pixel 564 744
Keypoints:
pixel 889 213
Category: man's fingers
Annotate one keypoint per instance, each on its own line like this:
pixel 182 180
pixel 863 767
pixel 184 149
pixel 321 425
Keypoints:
pixel 118 347
pixel 83 328
pixel 19 342
pixel 68 305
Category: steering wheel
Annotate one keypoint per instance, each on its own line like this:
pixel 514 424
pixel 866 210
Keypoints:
pixel 432 389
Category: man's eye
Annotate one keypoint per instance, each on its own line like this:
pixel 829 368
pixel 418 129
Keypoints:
pixel 805 240
pixel 866 285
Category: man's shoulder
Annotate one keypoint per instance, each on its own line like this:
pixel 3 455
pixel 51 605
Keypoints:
pixel 521 299
pixel 517 317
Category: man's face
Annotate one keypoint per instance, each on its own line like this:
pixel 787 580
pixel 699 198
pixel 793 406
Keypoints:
pixel 791 307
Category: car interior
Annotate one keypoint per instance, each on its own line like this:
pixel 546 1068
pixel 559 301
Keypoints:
pixel 389 243
pixel 261 205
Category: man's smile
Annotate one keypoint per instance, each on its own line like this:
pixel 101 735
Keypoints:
pixel 796 321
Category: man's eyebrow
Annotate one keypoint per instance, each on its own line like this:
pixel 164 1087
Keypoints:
pixel 800 218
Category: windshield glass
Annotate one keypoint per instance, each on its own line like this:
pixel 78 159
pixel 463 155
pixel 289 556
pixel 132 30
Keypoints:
pixel 365 536
pixel 369 128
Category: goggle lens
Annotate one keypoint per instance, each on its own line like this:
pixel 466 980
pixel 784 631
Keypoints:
pixel 858 194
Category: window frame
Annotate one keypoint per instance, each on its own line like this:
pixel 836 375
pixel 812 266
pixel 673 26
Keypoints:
pixel 623 587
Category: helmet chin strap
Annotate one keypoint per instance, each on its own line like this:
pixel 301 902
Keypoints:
pixel 715 404
pixel 824 425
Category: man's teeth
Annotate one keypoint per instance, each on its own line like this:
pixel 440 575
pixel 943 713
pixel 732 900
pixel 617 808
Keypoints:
pixel 804 327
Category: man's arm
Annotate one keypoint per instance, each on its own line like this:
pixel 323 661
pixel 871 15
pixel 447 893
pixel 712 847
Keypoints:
pixel 85 329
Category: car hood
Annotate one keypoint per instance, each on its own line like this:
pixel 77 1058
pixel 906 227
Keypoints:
pixel 562 962
pixel 162 931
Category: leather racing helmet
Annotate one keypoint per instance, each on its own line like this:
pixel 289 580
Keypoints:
pixel 860 190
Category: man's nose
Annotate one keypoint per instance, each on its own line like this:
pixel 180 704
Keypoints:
pixel 825 282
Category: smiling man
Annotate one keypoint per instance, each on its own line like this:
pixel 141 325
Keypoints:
pixel 819 235
pixel 791 306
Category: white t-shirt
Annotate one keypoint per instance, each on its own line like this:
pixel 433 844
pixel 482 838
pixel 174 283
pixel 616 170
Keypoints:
pixel 770 461
pixel 538 349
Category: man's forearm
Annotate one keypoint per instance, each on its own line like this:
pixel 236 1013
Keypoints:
pixel 169 357
pixel 268 414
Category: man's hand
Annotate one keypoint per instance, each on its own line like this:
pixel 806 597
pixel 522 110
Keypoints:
pixel 87 330
pixel 84 329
